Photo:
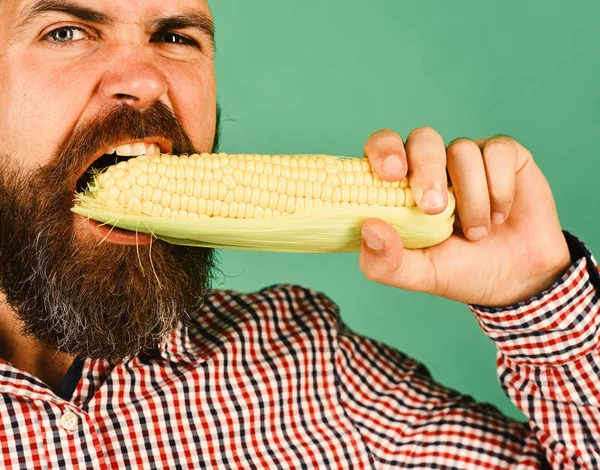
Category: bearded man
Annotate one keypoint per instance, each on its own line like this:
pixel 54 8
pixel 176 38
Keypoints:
pixel 115 352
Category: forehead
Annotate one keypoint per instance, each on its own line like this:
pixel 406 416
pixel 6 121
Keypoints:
pixel 123 11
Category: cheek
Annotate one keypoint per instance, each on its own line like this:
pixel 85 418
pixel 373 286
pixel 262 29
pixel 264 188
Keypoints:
pixel 194 100
pixel 39 104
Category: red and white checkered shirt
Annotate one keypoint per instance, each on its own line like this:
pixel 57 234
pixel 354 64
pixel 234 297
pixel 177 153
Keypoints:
pixel 274 379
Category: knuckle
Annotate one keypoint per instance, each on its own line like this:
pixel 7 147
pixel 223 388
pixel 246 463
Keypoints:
pixel 499 147
pixel 423 132
pixel 525 152
pixel 383 141
pixel 377 133
pixel 383 133
pixel 461 146
pixel 504 137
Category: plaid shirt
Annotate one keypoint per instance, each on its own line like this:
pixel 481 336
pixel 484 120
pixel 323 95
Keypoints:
pixel 274 379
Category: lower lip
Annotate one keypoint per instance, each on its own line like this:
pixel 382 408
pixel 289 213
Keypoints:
pixel 111 234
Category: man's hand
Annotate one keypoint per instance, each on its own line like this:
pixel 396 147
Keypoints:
pixel 507 244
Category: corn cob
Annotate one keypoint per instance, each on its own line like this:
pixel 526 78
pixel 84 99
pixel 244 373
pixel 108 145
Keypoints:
pixel 297 203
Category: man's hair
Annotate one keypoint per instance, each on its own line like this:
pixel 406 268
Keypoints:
pixel 217 139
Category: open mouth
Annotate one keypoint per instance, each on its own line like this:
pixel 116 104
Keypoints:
pixel 118 154
pixel 112 156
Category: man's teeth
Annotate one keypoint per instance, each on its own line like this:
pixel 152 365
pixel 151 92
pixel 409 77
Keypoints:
pixel 137 148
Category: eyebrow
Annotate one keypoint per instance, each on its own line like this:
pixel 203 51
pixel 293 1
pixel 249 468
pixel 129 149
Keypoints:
pixel 41 7
pixel 195 20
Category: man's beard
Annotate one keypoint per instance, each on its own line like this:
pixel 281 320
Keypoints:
pixel 98 300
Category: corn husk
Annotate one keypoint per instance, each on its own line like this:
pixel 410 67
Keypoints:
pixel 322 231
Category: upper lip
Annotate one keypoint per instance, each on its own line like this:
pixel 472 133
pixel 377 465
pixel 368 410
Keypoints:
pixel 165 146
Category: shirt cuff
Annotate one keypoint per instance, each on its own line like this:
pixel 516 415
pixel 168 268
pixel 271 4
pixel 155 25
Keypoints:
pixel 556 326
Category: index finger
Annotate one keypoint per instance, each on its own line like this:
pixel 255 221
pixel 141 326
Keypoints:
pixel 386 153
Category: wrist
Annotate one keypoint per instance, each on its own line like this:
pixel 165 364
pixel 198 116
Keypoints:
pixel 549 271
pixel 547 279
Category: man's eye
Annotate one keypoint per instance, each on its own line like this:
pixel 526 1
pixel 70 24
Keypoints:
pixel 65 34
pixel 174 38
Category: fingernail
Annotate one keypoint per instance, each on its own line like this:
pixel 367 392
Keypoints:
pixel 392 165
pixel 432 199
pixel 497 218
pixel 373 241
pixel 476 233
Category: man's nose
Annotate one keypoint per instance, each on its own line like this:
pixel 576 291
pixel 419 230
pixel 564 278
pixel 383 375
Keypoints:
pixel 138 84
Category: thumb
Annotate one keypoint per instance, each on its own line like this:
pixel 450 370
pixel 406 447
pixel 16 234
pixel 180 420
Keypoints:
pixel 383 259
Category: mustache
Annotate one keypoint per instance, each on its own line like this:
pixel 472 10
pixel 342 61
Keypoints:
pixel 110 128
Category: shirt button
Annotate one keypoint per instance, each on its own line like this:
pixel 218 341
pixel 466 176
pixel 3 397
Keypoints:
pixel 69 421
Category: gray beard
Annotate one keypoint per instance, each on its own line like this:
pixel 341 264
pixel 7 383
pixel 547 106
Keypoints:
pixel 103 301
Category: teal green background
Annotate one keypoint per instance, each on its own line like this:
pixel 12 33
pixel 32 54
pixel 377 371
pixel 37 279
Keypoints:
pixel 319 76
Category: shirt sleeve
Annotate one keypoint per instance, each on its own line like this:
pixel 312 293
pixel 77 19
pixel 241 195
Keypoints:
pixel 549 364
